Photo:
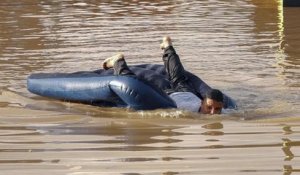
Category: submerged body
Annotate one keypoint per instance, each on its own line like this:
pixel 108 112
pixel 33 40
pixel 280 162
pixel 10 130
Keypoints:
pixel 102 88
pixel 167 86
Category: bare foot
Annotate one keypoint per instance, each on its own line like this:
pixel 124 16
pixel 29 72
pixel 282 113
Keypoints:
pixel 109 62
pixel 166 42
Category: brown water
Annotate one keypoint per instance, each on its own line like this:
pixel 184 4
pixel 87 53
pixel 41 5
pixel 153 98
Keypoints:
pixel 247 48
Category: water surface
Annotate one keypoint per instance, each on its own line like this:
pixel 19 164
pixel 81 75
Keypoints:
pixel 247 48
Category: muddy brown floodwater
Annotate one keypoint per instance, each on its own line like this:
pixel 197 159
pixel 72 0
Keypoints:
pixel 247 48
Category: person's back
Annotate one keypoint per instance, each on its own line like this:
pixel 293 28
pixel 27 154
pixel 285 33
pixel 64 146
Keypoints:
pixel 183 94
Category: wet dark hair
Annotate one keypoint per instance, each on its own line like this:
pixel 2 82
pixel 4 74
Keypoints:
pixel 215 94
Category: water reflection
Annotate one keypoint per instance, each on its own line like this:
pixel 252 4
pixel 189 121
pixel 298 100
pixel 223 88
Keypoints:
pixel 132 137
pixel 235 43
pixel 290 148
pixel 217 125
pixel 287 145
pixel 36 35
pixel 291 45
pixel 65 36
pixel 170 173
pixel 19 40
pixel 287 130
pixel 288 170
pixel 170 143
pixel 280 23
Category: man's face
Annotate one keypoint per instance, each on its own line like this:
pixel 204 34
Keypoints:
pixel 210 106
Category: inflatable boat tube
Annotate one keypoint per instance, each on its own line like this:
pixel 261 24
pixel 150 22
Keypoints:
pixel 102 88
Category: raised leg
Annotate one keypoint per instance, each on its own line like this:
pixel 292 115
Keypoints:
pixel 136 93
pixel 174 67
pixel 118 63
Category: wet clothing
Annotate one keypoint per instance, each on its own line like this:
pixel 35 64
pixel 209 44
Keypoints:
pixel 181 91
pixel 175 71
pixel 186 101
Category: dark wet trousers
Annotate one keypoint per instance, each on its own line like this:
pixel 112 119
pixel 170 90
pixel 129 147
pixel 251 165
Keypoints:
pixel 173 66
pixel 175 71
pixel 121 68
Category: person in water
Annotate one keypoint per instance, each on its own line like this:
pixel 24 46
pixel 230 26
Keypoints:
pixel 182 93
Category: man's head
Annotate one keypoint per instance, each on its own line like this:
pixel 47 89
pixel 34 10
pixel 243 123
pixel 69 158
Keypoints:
pixel 212 103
